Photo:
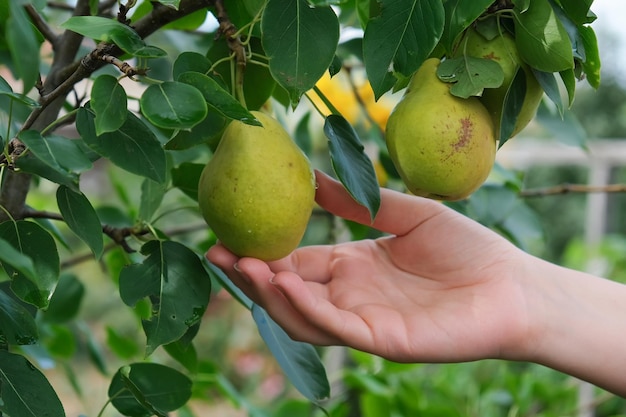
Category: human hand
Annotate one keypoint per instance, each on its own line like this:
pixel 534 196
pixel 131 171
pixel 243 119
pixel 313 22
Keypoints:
pixel 440 288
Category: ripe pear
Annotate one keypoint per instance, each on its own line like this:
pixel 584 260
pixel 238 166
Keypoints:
pixel 503 50
pixel 443 146
pixel 257 191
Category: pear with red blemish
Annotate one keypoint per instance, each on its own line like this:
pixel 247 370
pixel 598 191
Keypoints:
pixel 442 146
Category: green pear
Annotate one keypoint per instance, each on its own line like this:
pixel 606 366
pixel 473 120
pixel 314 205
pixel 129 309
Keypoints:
pixel 502 49
pixel 443 146
pixel 257 191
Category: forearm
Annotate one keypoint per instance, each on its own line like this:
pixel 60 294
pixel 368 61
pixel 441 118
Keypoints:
pixel 578 325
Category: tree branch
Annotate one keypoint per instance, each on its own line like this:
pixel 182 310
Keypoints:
pixel 42 25
pixel 573 188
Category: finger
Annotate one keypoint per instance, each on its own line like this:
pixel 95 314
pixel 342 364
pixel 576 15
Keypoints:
pixel 311 263
pixel 332 324
pixel 277 306
pixel 398 214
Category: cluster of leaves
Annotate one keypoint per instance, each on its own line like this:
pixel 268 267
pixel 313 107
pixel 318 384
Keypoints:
pixel 285 46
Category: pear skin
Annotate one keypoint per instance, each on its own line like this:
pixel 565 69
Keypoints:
pixel 257 191
pixel 442 146
pixel 503 50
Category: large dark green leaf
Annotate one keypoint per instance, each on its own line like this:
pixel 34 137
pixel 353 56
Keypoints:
pixel 541 38
pixel 23 45
pixel 298 360
pixel 33 241
pixel 109 103
pixel 300 42
pixel 174 278
pixel 513 102
pixel 81 218
pixel 208 131
pixel 133 147
pixel 25 390
pixel 17 325
pixel 173 105
pixel 190 61
pixel 146 389
pixel 400 39
pixel 352 166
pixel 459 15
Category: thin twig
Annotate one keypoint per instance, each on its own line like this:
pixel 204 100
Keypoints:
pixel 573 188
pixel 42 25
pixel 229 31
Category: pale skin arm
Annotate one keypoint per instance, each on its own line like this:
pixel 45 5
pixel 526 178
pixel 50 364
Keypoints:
pixel 440 288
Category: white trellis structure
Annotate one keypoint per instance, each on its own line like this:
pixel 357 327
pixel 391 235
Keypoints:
pixel 600 158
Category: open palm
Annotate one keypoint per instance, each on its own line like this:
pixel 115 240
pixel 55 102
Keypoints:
pixel 439 288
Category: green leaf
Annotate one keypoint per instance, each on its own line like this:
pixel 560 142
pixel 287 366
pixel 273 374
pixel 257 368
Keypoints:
pixel 34 165
pixel 566 127
pixel 108 101
pixel 17 325
pixel 111 31
pixel 23 45
pixel 41 148
pixel 25 390
pixel 152 194
pixel 69 153
pixel 17 260
pixel 459 15
pixel 33 241
pixel 145 389
pixel 190 61
pixel 173 105
pixel 228 285
pixel 470 75
pixel 133 147
pixel 6 90
pixel 591 64
pixel 183 353
pixel 512 106
pixel 299 361
pixel 123 347
pixel 218 98
pixel 60 341
pixel 81 218
pixel 174 276
pixel 400 39
pixel 186 177
pixel 207 131
pixel 541 38
pixel 549 84
pixel 300 42
pixel 569 81
pixel 352 166
pixel 65 301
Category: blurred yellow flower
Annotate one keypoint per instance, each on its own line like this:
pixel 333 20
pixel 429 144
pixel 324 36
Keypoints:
pixel 339 91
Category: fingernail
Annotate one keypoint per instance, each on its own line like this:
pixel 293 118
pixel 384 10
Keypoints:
pixel 243 276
